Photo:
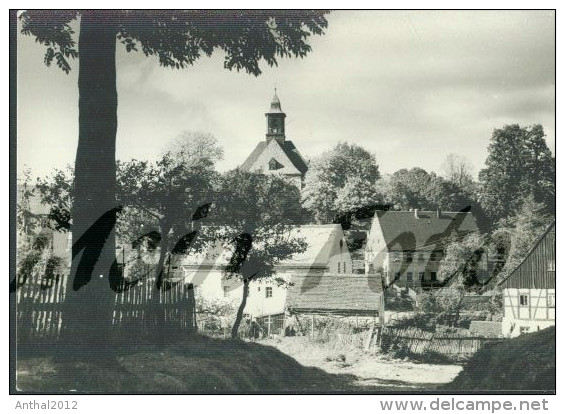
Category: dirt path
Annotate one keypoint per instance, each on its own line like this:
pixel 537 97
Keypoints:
pixel 373 371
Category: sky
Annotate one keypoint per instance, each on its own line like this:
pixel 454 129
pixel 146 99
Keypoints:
pixel 409 86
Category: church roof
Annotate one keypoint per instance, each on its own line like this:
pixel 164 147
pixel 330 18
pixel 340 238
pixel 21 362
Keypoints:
pixel 269 150
pixel 275 105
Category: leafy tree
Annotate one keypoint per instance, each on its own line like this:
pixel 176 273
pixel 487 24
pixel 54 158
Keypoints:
pixel 177 39
pixel 165 199
pixel 340 180
pixel 57 192
pixel 254 214
pixel 518 164
pixel 464 261
pixel 194 147
pixel 414 188
pixel 517 234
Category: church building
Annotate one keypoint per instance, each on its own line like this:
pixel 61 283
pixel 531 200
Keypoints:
pixel 277 155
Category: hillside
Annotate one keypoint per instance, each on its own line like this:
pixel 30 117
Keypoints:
pixel 195 364
pixel 525 363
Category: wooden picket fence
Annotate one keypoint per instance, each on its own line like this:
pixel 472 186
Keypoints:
pixel 39 308
pixel 458 346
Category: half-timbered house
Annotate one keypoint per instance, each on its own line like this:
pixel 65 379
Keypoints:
pixel 529 290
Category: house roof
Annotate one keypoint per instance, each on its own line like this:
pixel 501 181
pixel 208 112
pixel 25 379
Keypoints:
pixel 550 227
pixel 330 292
pixel 430 231
pixel 318 238
pixel 270 150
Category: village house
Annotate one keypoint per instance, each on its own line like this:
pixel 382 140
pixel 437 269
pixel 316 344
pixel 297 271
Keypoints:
pixel 529 290
pixel 326 252
pixel 276 154
pixel 406 247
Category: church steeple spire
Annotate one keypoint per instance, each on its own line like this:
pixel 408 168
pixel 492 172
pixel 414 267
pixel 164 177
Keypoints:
pixel 275 120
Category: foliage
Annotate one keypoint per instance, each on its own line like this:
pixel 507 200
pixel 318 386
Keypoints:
pixel 178 38
pixel 195 148
pixel 519 164
pixel 253 217
pixel 463 260
pixel 416 188
pixel 162 196
pixel 265 207
pixel 443 305
pixel 340 180
pixel 57 192
pixel 517 234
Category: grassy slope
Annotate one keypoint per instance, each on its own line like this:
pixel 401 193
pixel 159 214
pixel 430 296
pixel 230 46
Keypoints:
pixel 525 363
pixel 196 364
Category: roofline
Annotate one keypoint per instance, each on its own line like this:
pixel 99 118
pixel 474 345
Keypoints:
pixel 538 241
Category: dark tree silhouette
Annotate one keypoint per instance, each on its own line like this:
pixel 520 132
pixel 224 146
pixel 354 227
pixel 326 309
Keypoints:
pixel 177 39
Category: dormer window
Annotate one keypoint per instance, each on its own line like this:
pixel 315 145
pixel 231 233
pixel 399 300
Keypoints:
pixel 275 165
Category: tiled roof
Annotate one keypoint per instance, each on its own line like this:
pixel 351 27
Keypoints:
pixel 403 231
pixel 331 292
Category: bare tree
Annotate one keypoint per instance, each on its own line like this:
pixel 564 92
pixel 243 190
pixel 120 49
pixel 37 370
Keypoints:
pixel 458 169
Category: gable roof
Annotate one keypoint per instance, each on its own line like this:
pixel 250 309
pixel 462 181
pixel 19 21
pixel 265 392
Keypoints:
pixel 547 279
pixel 330 292
pixel 271 149
pixel 318 238
pixel 430 231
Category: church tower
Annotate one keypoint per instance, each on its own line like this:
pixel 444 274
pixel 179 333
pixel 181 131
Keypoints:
pixel 275 121
pixel 276 154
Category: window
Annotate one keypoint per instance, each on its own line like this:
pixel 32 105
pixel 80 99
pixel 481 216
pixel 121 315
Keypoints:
pixel 275 165
pixel 226 291
pixel 421 276
pixel 433 257
pixel 344 268
pixel 338 267
pixel 523 300
pixel 420 257
pixel 409 277
pixel 408 257
pixel 397 276
pixel 524 329
pixel 433 276
pixel 340 244
pixel 268 292
pixel 258 288
pixel 551 299
pixel 551 266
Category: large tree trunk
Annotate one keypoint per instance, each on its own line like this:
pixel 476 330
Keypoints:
pixel 240 310
pixel 89 300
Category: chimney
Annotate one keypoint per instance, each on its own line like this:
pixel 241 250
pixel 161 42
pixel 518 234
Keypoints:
pixel 416 213
pixel 438 212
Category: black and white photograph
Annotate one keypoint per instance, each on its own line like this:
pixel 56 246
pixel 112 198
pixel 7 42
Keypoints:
pixel 283 201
